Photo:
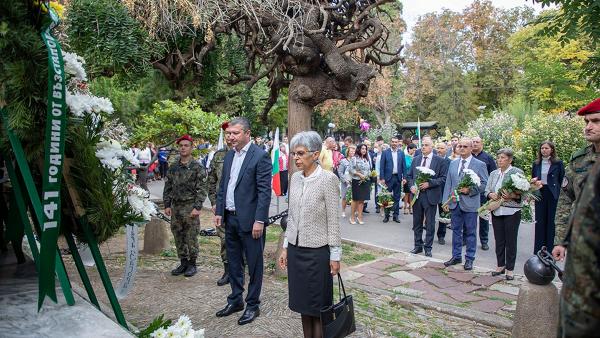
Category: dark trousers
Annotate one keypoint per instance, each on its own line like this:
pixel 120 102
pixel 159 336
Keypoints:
pixel 162 168
pixel 423 210
pixel 545 211
pixel 484 225
pixel 283 181
pixel 441 231
pixel 506 229
pixel 240 243
pixel 376 189
pixel 459 220
pixel 395 187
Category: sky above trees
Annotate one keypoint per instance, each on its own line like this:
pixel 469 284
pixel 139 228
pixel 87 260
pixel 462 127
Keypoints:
pixel 413 9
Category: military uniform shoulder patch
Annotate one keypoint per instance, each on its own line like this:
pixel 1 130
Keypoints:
pixel 580 152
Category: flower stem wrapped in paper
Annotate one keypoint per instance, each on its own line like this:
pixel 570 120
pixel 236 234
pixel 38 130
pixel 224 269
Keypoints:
pixel 384 197
pixel 470 180
pixel 516 184
pixel 425 174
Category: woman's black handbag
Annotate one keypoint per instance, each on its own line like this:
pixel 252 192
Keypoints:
pixel 337 320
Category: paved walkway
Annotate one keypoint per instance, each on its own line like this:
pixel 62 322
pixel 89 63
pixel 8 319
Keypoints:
pixel 426 282
pixel 399 237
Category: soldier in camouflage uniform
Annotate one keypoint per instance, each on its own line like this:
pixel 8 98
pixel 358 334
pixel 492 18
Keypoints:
pixel 578 232
pixel 214 177
pixel 184 192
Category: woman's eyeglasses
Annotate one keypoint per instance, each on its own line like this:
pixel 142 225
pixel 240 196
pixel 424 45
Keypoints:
pixel 300 153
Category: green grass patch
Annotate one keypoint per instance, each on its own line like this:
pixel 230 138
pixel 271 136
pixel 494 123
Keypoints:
pixel 399 334
pixel 273 233
pixel 357 258
pixel 170 252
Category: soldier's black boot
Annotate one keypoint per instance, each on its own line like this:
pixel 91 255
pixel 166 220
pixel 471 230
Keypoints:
pixel 225 278
pixel 191 268
pixel 181 268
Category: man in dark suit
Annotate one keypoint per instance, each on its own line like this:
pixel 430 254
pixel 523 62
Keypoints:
pixel 442 150
pixel 392 171
pixel 243 206
pixel 430 195
pixel 490 164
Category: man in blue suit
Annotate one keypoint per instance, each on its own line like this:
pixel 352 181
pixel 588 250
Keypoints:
pixel 430 195
pixel 392 171
pixel 243 203
pixel 464 212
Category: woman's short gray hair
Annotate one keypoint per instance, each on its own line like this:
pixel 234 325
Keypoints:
pixel 506 151
pixel 309 139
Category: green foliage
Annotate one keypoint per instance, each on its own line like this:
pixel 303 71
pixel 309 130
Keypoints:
pixel 157 323
pixel 169 120
pixel 496 131
pixel 129 100
pixel 564 130
pixel 387 131
pixel 102 193
pixel 109 39
pixel 23 76
pixel 552 70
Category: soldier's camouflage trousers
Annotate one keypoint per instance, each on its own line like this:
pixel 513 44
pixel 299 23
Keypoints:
pixel 185 230
pixel 221 233
pixel 576 323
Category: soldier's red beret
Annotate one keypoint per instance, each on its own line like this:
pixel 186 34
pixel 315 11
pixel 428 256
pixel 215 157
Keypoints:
pixel 225 125
pixel 185 137
pixel 590 108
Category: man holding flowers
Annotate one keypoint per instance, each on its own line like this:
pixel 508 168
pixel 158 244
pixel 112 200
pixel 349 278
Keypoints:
pixel 426 177
pixel 466 179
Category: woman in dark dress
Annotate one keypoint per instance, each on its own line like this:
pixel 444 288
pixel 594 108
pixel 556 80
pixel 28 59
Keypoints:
pixel 551 171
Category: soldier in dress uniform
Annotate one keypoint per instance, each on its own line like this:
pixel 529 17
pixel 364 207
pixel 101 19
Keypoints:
pixel 184 192
pixel 578 233
pixel 214 177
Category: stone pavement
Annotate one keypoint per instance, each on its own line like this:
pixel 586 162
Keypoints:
pixel 426 282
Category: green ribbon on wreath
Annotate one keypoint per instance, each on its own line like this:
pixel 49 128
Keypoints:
pixel 54 144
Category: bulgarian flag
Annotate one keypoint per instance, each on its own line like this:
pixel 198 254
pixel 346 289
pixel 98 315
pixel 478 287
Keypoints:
pixel 275 182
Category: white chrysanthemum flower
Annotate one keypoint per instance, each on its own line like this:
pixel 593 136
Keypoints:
pixel 520 182
pixel 84 103
pixel 74 66
pixel 426 170
pixel 473 175
pixel 159 333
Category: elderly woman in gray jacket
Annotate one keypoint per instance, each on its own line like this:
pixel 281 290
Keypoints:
pixel 505 219
pixel 312 246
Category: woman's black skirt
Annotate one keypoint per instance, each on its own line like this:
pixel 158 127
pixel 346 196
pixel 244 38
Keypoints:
pixel 310 283
pixel 361 191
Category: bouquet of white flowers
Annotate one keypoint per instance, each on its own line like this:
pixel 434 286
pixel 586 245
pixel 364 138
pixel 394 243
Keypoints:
pixel 182 328
pixel 425 174
pixel 515 184
pixel 470 180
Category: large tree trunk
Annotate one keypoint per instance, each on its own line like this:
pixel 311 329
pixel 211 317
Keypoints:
pixel 299 118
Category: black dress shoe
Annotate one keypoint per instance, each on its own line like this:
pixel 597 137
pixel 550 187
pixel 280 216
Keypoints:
pixel 428 253
pixel 365 211
pixel 498 273
pixel 484 246
pixel 453 261
pixel 229 309
pixel 416 251
pixel 441 241
pixel 386 219
pixel 468 265
pixel 377 210
pixel 248 316
pixel 396 219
